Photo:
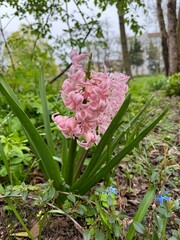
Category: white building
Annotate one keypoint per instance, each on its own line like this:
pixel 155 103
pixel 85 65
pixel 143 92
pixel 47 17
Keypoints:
pixel 151 45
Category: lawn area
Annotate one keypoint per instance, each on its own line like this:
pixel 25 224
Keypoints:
pixel 28 204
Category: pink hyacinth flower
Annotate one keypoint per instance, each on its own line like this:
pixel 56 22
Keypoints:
pixel 94 101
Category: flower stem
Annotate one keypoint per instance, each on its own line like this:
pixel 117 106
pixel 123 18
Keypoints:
pixel 69 162
pixel 77 169
pixel 89 67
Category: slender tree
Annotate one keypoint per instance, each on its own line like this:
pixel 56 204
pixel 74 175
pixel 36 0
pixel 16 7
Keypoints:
pixel 164 36
pixel 172 34
pixel 123 8
pixel 170 37
pixel 125 53
pixel 178 38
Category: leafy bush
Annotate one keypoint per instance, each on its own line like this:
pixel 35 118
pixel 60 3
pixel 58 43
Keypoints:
pixel 173 85
pixel 158 83
pixel 17 156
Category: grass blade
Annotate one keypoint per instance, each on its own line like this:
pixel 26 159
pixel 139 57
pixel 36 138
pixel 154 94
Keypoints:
pixel 141 212
pixel 132 122
pixel 42 92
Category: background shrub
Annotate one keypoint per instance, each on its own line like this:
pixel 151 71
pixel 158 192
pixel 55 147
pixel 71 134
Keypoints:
pixel 173 85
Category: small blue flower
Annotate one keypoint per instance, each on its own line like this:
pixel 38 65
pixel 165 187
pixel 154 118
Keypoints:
pixel 113 190
pixel 160 198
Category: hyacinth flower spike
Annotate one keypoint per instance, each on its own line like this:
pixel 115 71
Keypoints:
pixel 94 98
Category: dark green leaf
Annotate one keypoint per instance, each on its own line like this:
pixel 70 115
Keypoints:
pixel 86 234
pixel 24 195
pixel 154 176
pixel 99 235
pixel 155 236
pixel 110 200
pixel 71 198
pixel 139 227
pixel 117 230
pixel 1 189
pixel 176 204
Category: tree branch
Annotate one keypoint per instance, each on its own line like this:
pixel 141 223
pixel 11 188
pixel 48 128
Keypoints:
pixel 60 74
pixel 7 46
pixel 34 46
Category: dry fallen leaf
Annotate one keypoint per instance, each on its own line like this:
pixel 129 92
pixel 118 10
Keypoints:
pixel 20 234
pixel 35 230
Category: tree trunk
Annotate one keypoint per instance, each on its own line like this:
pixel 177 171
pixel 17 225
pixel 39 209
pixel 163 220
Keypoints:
pixel 164 36
pixel 172 40
pixel 178 39
pixel 125 53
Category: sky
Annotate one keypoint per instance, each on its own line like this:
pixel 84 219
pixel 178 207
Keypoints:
pixel 13 25
pixel 110 14
pixel 149 19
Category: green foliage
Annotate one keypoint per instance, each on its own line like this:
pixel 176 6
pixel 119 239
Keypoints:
pixel 127 8
pixel 173 85
pixel 43 193
pixel 17 153
pixel 161 216
pixel 99 212
pixel 29 53
pixel 18 156
pixel 76 24
pixel 158 84
pixel 143 86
